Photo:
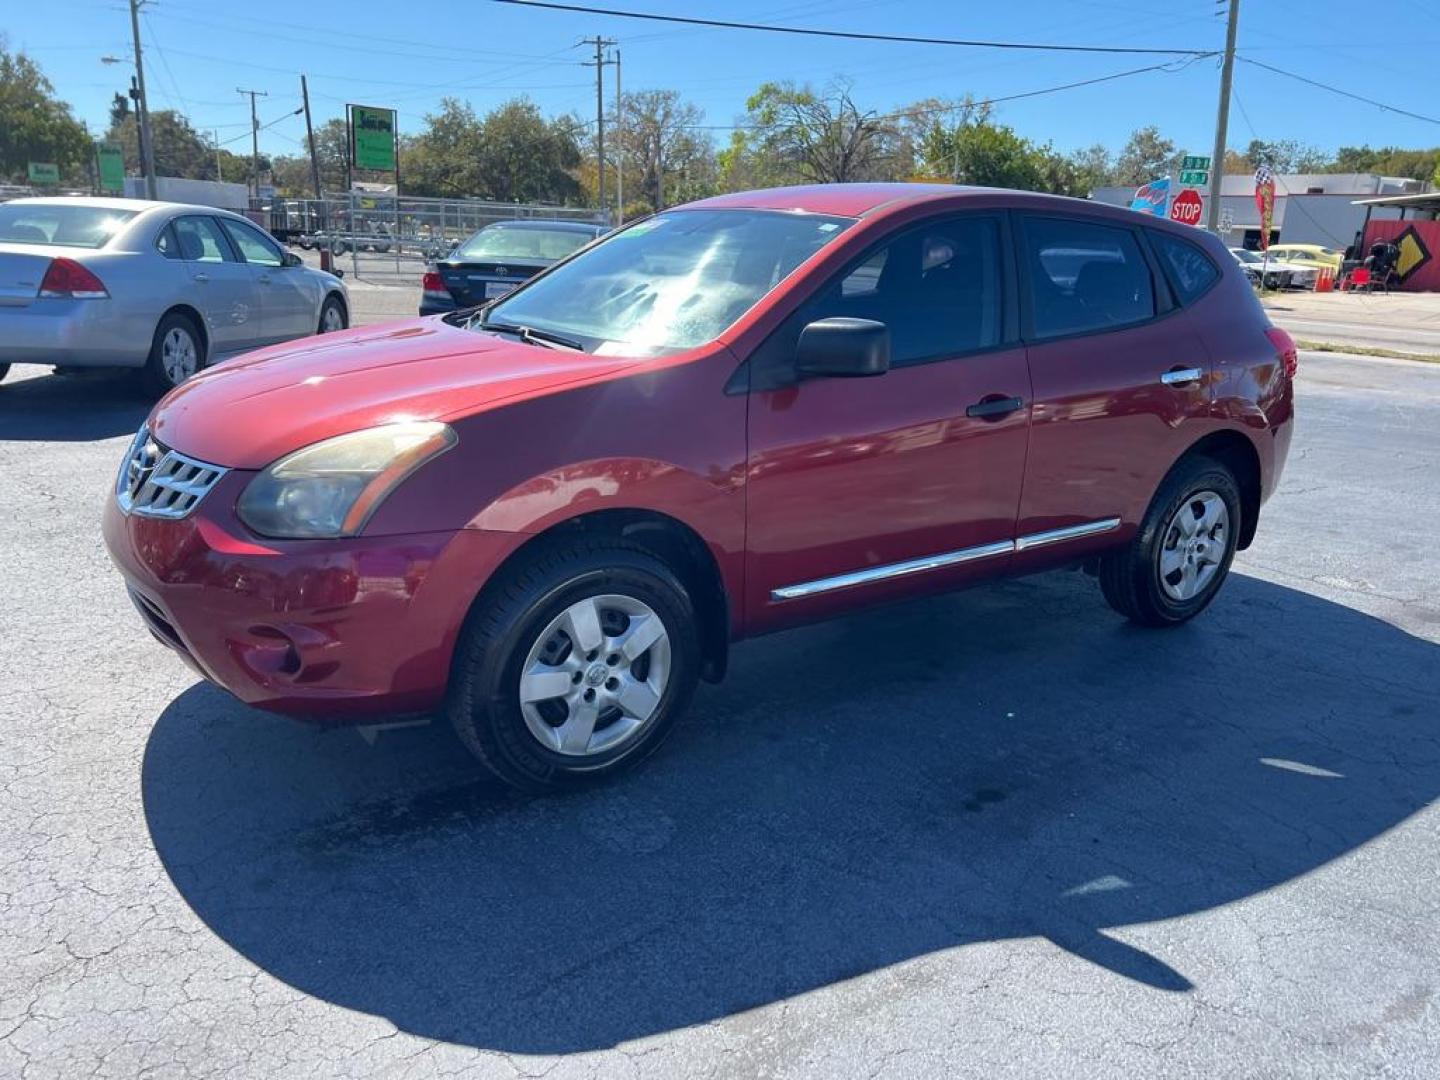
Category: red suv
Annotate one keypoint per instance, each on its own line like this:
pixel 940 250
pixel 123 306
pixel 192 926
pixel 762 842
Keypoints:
pixel 552 514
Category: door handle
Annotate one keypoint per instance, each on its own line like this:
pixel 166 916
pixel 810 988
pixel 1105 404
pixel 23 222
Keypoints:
pixel 1182 376
pixel 994 407
pixel 264 279
pixel 202 277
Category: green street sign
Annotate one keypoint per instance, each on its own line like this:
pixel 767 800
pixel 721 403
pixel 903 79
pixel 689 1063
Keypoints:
pixel 372 138
pixel 1195 177
pixel 110 163
pixel 44 172
pixel 1192 163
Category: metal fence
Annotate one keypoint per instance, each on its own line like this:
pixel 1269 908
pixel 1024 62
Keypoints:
pixel 383 223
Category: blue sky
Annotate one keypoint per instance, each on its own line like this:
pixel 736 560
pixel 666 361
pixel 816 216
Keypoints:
pixel 409 56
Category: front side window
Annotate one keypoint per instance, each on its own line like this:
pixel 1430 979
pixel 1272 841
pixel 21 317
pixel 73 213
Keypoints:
pixel 1084 276
pixel 59 225
pixel 935 286
pixel 498 242
pixel 670 282
pixel 255 246
pixel 199 240
pixel 1190 270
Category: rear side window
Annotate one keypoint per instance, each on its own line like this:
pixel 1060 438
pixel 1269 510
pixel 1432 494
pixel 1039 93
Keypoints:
pixel 166 244
pixel 936 286
pixel 1190 269
pixel 199 240
pixel 1084 276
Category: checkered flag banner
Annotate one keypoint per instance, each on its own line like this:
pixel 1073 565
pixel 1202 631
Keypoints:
pixel 1264 177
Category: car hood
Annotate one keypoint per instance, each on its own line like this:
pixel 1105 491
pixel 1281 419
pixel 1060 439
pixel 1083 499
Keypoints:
pixel 252 410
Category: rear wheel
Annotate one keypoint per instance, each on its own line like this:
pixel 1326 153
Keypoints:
pixel 1178 560
pixel 176 353
pixel 575 666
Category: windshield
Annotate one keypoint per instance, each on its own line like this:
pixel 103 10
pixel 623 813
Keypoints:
pixel 669 282
pixel 1245 256
pixel 511 242
pixel 63 226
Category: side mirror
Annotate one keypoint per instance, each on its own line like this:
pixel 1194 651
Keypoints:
pixel 291 259
pixel 843 348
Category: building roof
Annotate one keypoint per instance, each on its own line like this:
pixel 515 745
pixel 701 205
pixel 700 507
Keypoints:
pixel 1425 200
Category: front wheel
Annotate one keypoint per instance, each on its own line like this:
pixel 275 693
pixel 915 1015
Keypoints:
pixel 575 665
pixel 332 315
pixel 1178 560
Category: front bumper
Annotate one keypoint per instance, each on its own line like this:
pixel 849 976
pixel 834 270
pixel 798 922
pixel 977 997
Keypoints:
pixel 342 630
pixel 79 333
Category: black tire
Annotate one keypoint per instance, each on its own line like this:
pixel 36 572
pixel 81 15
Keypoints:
pixel 484 700
pixel 154 376
pixel 1130 577
pixel 335 304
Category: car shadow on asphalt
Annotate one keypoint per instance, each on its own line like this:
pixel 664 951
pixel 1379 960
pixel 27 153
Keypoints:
pixel 1009 762
pixel 72 408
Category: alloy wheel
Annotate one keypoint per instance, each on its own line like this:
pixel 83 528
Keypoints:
pixel 1194 545
pixel 594 678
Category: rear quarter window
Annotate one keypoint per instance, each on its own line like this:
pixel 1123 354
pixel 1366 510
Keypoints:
pixel 1189 269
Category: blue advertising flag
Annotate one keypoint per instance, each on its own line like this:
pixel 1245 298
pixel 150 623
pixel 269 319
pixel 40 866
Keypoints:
pixel 1151 198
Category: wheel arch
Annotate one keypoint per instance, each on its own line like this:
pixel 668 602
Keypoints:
pixel 671 541
pixel 191 313
pixel 1238 454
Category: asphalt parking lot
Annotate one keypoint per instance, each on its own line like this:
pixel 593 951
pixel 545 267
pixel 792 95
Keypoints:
pixel 999 833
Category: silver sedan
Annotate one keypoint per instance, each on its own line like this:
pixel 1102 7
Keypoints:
pixel 164 287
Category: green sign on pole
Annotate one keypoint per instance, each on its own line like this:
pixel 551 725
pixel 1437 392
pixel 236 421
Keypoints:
pixel 372 138
pixel 1195 177
pixel 1195 164
pixel 44 172
pixel 110 163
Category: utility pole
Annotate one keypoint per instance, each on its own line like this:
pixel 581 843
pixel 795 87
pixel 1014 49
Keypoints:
pixel 310 140
pixel 142 106
pixel 254 137
pixel 1222 119
pixel 215 137
pixel 619 147
pixel 599 65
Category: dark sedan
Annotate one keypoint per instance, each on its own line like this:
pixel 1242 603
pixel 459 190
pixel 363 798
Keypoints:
pixel 497 258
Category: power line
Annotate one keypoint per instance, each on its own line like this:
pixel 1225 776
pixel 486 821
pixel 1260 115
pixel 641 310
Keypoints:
pixel 850 35
pixel 1336 90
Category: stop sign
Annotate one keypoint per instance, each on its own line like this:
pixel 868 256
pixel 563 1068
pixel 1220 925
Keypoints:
pixel 1187 207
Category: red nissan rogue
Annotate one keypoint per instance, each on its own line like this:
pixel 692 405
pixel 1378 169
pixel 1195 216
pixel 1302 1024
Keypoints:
pixel 550 515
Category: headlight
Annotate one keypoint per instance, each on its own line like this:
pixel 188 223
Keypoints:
pixel 331 488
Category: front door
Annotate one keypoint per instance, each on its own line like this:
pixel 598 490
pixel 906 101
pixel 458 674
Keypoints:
pixel 224 285
pixel 867 489
pixel 287 307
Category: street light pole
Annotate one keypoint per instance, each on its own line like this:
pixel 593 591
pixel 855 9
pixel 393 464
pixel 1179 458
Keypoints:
pixel 1222 119
pixel 147 147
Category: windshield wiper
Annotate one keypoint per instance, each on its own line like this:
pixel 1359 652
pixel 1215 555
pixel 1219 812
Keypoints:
pixel 532 336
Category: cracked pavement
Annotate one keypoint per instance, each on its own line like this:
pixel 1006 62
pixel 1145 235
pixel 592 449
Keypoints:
pixel 998 833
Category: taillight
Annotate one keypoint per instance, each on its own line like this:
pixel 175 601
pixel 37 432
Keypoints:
pixel 1285 348
pixel 67 278
pixel 432 282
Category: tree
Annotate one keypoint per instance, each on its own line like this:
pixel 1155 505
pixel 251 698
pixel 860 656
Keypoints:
pixel 1093 167
pixel 527 158
pixel 34 124
pixel 664 155
pixel 444 159
pixel 1387 161
pixel 1286 156
pixel 180 150
pixel 821 138
pixel 1146 156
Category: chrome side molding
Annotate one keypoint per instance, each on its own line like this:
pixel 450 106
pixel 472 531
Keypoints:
pixel 936 562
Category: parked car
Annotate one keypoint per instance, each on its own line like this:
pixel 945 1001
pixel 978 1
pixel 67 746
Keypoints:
pixel 1277 276
pixel 550 517
pixel 163 287
pixel 1308 256
pixel 497 258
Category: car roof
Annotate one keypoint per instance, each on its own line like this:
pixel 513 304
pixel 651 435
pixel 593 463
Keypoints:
pixel 99 202
pixel 539 223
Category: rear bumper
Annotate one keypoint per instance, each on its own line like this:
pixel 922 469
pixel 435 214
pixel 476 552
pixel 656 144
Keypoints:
pixel 435 305
pixel 331 630
pixel 78 333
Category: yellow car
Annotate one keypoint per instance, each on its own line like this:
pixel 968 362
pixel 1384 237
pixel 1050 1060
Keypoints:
pixel 1312 255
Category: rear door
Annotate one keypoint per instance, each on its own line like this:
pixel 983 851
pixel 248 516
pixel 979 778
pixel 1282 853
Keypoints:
pixel 225 285
pixel 868 489
pixel 1117 371
pixel 288 307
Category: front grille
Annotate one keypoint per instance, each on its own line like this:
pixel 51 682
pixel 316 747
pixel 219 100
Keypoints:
pixel 155 481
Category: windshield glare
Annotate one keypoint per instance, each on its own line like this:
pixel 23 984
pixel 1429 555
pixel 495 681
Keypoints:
pixel 510 242
pixel 670 282
pixel 62 226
